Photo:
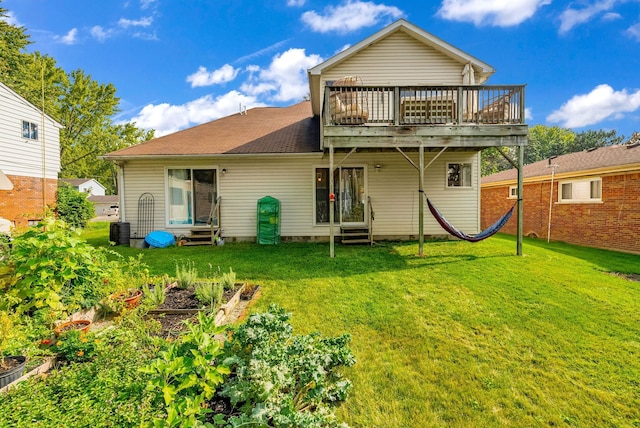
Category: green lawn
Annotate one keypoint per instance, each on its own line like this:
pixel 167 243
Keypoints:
pixel 470 335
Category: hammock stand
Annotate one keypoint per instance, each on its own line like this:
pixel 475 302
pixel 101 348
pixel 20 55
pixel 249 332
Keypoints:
pixel 490 231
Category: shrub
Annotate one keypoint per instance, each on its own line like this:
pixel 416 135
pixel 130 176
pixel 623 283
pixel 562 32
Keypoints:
pixel 186 275
pixel 51 268
pixel 279 379
pixel 73 206
pixel 76 346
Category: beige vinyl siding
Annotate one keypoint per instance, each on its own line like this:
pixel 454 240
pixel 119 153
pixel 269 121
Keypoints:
pixel 399 60
pixel 21 156
pixel 393 191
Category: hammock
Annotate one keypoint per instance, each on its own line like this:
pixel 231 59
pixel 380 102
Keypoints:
pixel 490 231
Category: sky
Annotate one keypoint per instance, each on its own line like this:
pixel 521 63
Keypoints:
pixel 176 64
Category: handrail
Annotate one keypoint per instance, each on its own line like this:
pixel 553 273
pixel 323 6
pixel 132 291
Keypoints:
pixel 214 221
pixel 424 105
pixel 371 218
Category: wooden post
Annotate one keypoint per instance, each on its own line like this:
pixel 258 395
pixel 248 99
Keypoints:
pixel 421 203
pixel 331 204
pixel 520 204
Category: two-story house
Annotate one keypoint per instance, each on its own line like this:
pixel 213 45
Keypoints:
pixel 398 116
pixel 29 159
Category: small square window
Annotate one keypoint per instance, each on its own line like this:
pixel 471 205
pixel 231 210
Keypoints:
pixel 513 192
pixel 29 130
pixel 459 175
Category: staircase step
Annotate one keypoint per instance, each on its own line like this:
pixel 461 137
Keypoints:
pixel 194 243
pixel 356 241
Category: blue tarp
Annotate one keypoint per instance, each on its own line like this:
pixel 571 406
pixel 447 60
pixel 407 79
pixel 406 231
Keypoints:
pixel 160 239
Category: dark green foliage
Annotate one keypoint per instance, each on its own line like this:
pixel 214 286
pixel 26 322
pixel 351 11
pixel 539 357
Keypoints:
pixel 73 206
pixel 279 379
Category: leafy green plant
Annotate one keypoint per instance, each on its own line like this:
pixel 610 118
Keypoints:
pixel 279 379
pixel 186 274
pixel 228 280
pixel 209 293
pixel 155 295
pixel 50 267
pixel 76 346
pixel 73 207
pixel 188 373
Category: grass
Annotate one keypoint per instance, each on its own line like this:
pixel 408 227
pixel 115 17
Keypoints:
pixel 470 335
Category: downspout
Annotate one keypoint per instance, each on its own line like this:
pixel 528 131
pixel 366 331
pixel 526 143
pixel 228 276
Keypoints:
pixel 421 203
pixel 331 204
pixel 122 211
pixel 44 149
pixel 553 170
pixel 520 204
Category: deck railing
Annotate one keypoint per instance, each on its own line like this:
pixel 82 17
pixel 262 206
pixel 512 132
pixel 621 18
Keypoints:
pixel 424 105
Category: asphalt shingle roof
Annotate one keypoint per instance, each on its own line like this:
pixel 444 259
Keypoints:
pixel 261 130
pixel 603 157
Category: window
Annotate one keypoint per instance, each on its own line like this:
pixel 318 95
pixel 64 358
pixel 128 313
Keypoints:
pixel 191 195
pixel 580 191
pixel 459 175
pixel 29 130
pixel 513 192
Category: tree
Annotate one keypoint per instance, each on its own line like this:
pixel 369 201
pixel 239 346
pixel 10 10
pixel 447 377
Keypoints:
pixel 590 139
pixel 82 105
pixel 73 206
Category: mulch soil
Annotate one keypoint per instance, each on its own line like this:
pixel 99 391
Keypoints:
pixel 178 298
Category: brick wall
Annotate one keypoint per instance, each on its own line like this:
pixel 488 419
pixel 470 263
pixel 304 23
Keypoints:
pixel 24 202
pixel 613 224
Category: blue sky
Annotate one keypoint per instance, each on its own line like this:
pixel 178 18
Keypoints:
pixel 176 64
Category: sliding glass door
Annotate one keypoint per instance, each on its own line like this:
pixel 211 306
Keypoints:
pixel 349 188
pixel 191 195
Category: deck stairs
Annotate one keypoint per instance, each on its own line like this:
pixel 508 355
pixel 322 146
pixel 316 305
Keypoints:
pixel 356 235
pixel 210 233
pixel 359 234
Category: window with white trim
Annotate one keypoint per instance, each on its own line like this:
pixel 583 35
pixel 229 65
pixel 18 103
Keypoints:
pixel 580 191
pixel 513 192
pixel 29 130
pixel 459 175
pixel 191 194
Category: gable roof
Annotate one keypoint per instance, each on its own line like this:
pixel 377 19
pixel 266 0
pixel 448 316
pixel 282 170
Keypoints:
pixel 482 69
pixel 617 158
pixel 21 99
pixel 262 130
pixel 80 181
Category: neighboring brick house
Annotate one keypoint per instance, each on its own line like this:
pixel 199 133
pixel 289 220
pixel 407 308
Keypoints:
pixel 595 201
pixel 29 159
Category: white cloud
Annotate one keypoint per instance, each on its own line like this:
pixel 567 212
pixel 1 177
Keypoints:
pixel 144 4
pixel 296 3
pixel 202 77
pixel 68 39
pixel 572 17
pixel 142 22
pixel 498 13
pixel 100 33
pixel 350 16
pixel 286 77
pixel 528 115
pixel 634 31
pixel 166 118
pixel 599 104
pixel 11 19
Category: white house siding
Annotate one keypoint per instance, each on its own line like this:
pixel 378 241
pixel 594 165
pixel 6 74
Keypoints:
pixel 399 60
pixel 20 156
pixel 291 179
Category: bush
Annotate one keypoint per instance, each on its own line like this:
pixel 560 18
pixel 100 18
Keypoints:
pixel 278 379
pixel 73 207
pixel 51 269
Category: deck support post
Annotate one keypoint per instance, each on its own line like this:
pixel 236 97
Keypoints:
pixel 520 204
pixel 421 203
pixel 331 205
